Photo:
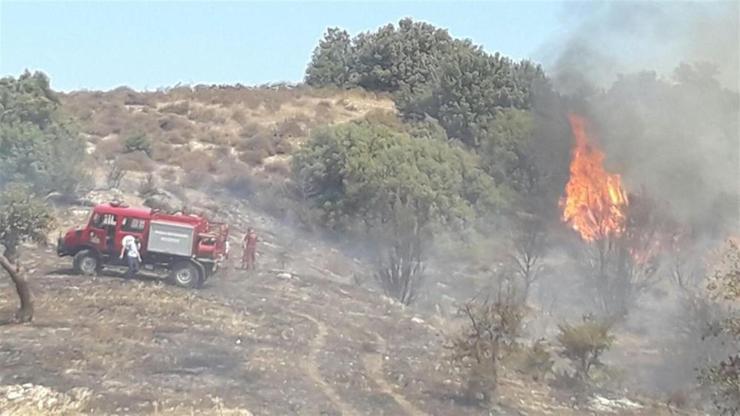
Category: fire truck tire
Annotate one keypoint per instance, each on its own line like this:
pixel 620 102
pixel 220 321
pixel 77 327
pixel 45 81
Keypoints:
pixel 185 274
pixel 86 263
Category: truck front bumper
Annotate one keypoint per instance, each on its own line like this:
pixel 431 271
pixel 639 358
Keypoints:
pixel 61 250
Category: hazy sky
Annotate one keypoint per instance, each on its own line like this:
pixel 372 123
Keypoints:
pixel 146 45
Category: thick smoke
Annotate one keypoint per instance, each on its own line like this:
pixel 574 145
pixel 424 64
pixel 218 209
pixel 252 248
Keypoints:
pixel 660 83
pixel 608 39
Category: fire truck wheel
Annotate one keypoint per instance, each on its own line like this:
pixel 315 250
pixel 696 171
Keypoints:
pixel 185 274
pixel 86 262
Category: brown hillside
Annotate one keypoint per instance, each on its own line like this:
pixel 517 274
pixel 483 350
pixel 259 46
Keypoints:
pixel 212 130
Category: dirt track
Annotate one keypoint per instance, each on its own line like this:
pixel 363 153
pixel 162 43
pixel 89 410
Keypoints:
pixel 270 345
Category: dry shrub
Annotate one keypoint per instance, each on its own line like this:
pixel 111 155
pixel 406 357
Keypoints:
pixel 161 152
pixel 251 129
pixel 323 112
pixel 239 115
pixel 181 108
pixel 176 137
pixel 252 102
pixel 283 146
pixel 221 154
pixel 109 149
pixel 198 179
pixel 168 174
pixel 172 123
pixel 385 117
pixel 291 128
pixel 205 114
pixel 135 161
pixel 262 143
pixel 583 344
pixel 491 330
pixel 534 360
pixel 136 98
pixel 109 119
pixel 139 124
pixel 347 105
pixel 197 161
pixel 278 167
pixel 138 143
pixel 253 157
pixel 148 186
pixel 183 92
pixel 240 184
pixel 217 138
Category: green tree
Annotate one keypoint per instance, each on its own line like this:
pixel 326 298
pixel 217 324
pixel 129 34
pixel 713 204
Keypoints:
pixel 37 144
pixel 400 59
pixel 22 217
pixel 472 86
pixel 507 150
pixel 332 60
pixel 368 178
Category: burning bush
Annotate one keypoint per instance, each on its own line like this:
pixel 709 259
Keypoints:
pixel 622 236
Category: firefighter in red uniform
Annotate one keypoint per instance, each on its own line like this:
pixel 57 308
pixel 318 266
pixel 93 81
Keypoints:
pixel 249 245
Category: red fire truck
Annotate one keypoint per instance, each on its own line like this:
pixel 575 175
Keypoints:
pixel 188 248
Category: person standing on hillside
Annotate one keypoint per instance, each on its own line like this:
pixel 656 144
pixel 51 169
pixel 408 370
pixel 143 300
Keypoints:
pixel 130 247
pixel 249 245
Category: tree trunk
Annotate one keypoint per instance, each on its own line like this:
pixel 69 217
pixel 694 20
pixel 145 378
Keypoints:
pixel 25 313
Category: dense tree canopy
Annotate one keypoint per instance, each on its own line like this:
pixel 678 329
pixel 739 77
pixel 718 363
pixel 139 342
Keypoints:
pixel 37 146
pixel 361 171
pixel 430 74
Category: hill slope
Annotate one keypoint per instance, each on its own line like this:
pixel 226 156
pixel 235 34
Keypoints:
pixel 270 343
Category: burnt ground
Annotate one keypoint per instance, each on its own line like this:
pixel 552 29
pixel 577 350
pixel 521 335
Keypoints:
pixel 262 343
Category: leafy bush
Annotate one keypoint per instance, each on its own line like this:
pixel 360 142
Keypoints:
pixel 583 344
pixel 23 217
pixel 138 143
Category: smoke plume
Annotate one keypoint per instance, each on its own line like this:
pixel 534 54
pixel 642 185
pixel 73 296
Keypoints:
pixel 660 84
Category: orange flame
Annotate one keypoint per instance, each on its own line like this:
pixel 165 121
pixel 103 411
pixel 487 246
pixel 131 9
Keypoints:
pixel 594 202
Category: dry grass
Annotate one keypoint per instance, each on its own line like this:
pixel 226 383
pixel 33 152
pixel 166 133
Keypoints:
pixel 257 122
pixel 135 161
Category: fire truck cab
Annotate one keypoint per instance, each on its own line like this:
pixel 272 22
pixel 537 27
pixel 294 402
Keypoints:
pixel 188 248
